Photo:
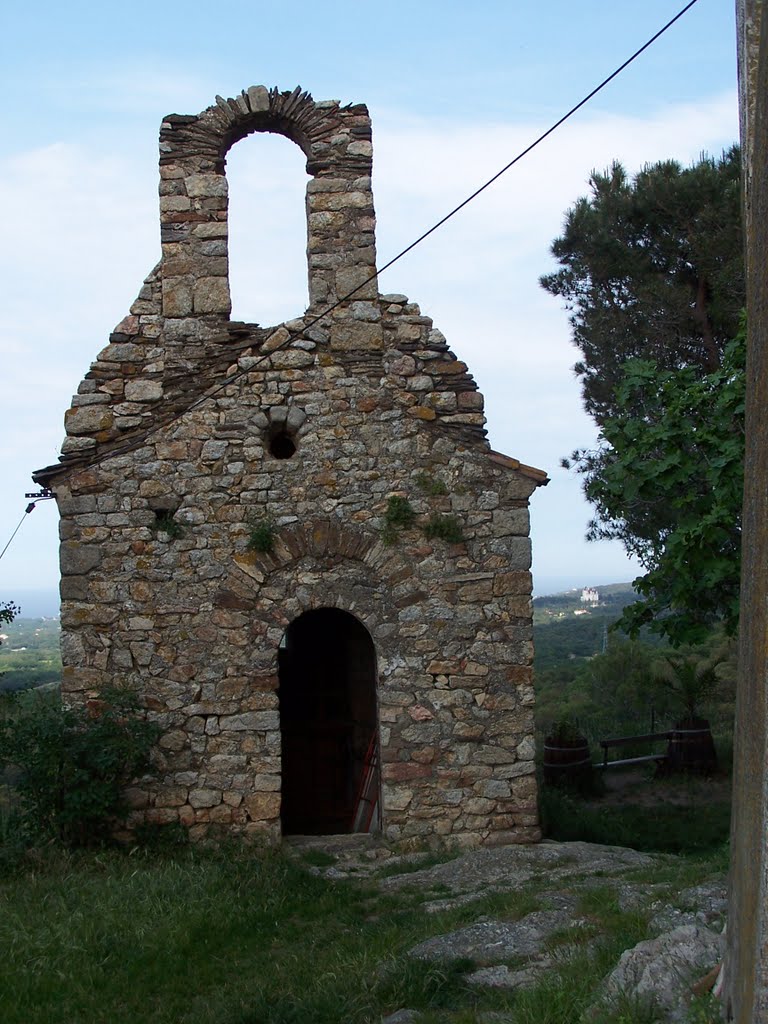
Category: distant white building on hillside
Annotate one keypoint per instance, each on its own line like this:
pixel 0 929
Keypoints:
pixel 589 595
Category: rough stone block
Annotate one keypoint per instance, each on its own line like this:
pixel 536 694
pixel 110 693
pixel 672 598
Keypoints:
pixel 360 149
pixel 172 796
pixel 262 806
pixel 174 204
pixel 204 798
pixel 250 721
pixel 291 359
pixel 78 559
pixel 75 445
pixel 87 419
pixel 357 336
pixel 403 771
pixel 143 390
pixel 76 506
pixel 161 815
pixel 267 783
pixel 211 295
pixel 421 412
pixel 358 280
pixel 201 186
pixel 396 798
pixel 177 296
pixel 487 754
pixel 258 98
pixel 511 521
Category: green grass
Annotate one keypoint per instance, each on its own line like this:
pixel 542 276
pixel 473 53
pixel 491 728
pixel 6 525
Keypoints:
pixel 318 858
pixel 232 937
pixel 202 936
pixel 678 873
pixel 663 828
pixel 246 936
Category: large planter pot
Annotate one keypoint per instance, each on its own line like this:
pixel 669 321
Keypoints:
pixel 691 747
pixel 567 761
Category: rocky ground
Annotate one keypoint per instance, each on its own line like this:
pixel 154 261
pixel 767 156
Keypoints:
pixel 518 946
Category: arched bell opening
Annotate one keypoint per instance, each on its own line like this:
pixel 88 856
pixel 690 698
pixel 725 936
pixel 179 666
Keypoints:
pixel 329 726
pixel 267 229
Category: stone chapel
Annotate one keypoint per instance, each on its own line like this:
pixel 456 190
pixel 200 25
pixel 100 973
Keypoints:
pixel 295 543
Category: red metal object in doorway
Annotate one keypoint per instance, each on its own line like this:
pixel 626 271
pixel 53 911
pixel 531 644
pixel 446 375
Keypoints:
pixel 367 796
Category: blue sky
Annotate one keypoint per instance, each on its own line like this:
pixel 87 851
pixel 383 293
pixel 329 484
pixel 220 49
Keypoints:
pixel 454 94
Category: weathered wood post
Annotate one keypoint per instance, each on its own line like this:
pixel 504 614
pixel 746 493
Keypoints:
pixel 747 963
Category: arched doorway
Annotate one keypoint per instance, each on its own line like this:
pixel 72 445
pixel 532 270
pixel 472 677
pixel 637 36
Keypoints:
pixel 328 722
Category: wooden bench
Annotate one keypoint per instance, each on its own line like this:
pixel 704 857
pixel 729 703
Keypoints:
pixel 625 741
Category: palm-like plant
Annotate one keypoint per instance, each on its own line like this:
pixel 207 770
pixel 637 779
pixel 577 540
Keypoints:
pixel 689 680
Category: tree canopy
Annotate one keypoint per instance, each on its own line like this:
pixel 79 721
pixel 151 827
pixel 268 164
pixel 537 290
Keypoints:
pixel 666 480
pixel 652 267
pixel 676 475
pixel 652 274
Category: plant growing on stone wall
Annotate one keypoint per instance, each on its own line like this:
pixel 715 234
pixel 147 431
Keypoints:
pixel 165 523
pixel 444 527
pixel 262 535
pixel 431 485
pixel 71 764
pixel 398 516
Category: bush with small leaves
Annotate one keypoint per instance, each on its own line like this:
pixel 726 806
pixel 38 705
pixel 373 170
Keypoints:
pixel 71 765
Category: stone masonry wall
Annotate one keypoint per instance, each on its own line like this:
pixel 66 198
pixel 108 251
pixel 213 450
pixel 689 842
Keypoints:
pixel 173 424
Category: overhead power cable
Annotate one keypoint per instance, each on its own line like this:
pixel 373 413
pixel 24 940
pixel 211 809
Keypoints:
pixel 27 510
pixel 465 202
pixel 540 139
pixel 294 333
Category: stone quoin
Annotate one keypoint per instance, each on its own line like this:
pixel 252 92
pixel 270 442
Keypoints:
pixel 295 543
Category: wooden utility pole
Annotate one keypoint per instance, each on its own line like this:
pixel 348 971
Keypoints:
pixel 746 976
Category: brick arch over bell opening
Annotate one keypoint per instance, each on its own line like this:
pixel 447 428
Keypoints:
pixel 193 197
